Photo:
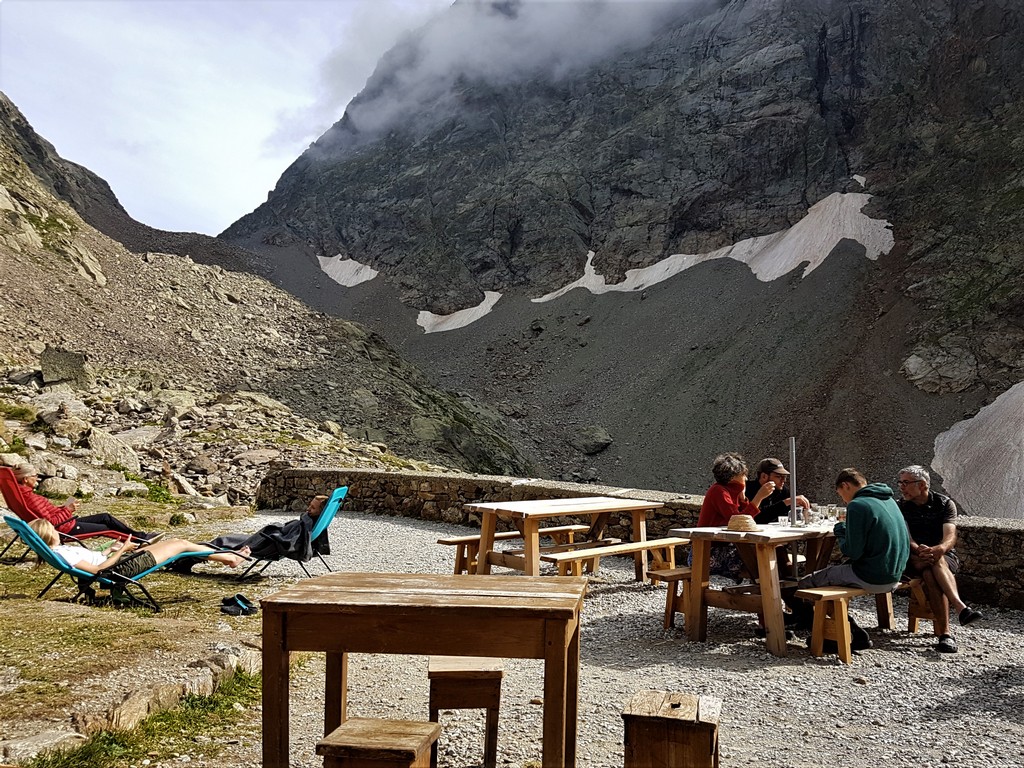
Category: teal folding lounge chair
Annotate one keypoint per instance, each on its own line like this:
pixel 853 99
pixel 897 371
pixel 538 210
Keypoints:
pixel 323 522
pixel 87 582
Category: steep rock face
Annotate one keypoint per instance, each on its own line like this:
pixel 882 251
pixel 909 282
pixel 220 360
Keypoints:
pixel 161 321
pixel 730 123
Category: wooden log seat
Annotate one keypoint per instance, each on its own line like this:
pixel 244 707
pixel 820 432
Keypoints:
pixel 467 548
pixel 662 551
pixel 371 743
pixel 678 582
pixel 671 729
pixel 465 682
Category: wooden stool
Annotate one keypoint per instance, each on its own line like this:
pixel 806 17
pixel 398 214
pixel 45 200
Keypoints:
pixel 466 682
pixel 366 743
pixel 678 582
pixel 670 729
pixel 919 608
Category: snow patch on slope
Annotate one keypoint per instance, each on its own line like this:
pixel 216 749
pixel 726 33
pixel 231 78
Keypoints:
pixel 981 460
pixel 835 218
pixel 346 272
pixel 432 323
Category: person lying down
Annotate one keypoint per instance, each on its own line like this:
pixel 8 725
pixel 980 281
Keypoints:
pixel 127 558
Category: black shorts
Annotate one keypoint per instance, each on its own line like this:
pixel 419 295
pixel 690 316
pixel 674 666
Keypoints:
pixel 132 565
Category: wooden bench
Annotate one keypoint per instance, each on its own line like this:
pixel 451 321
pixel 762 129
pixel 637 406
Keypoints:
pixel 369 743
pixel 662 550
pixel 831 616
pixel 678 582
pixel 467 548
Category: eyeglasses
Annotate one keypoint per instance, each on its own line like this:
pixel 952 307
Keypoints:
pixel 901 483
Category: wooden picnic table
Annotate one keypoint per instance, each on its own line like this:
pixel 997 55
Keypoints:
pixel 766 598
pixel 446 615
pixel 526 515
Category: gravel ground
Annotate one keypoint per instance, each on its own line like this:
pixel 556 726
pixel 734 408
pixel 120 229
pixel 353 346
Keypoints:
pixel 898 704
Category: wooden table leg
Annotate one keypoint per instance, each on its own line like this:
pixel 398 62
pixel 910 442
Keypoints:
pixel 275 691
pixel 556 674
pixel 531 546
pixel 335 691
pixel 771 599
pixel 488 522
pixel 572 693
pixel 640 534
pixel 700 579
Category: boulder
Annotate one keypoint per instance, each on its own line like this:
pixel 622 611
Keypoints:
pixel 591 440
pixel 174 397
pixel 261 401
pixel 59 487
pixel 60 366
pixel 132 488
pixel 112 451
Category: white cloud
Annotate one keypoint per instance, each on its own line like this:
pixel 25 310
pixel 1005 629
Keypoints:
pixel 173 101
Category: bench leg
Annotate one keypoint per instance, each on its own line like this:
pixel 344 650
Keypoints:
pixel 886 616
pixel 675 601
pixel 818 629
pixel 460 559
pixel 918 609
pixel 491 739
pixel 841 618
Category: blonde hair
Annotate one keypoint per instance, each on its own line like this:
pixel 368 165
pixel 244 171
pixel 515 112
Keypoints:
pixel 45 530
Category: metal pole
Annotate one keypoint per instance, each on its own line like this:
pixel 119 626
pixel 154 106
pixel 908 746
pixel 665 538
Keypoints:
pixel 792 481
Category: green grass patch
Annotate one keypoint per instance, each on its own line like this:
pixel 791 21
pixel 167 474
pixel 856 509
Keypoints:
pixel 166 734
pixel 23 413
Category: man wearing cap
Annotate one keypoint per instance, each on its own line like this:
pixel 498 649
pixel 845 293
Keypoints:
pixel 776 505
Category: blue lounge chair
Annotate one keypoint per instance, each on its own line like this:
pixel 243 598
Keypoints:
pixel 319 528
pixel 87 582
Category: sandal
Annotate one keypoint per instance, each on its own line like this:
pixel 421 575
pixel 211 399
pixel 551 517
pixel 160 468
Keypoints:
pixel 946 644
pixel 968 616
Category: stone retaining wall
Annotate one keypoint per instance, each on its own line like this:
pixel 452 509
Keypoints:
pixel 991 551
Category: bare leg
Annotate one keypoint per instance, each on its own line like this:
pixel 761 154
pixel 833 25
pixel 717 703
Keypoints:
pixel 168 548
pixel 946 581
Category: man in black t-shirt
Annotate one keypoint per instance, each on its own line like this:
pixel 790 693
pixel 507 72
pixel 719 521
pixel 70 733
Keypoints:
pixel 776 505
pixel 931 522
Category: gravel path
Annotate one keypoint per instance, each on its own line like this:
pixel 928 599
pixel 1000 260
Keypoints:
pixel 898 704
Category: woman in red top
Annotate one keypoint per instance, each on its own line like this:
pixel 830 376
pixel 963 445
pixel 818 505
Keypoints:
pixel 725 498
pixel 63 518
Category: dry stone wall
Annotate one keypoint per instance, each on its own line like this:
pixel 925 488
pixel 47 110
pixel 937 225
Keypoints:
pixel 991 550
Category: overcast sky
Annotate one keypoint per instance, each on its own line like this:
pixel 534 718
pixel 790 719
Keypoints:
pixel 191 109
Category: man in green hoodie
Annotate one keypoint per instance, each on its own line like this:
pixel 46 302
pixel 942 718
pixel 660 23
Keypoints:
pixel 874 539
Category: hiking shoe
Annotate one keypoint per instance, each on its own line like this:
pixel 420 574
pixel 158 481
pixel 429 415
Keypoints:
pixel 827 646
pixel 946 644
pixel 968 616
pixel 859 638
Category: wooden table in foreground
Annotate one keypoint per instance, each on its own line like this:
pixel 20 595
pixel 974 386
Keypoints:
pixel 497 616
pixel 819 540
pixel 526 515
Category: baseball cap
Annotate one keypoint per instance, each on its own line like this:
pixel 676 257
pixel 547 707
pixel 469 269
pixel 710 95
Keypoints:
pixel 772 465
